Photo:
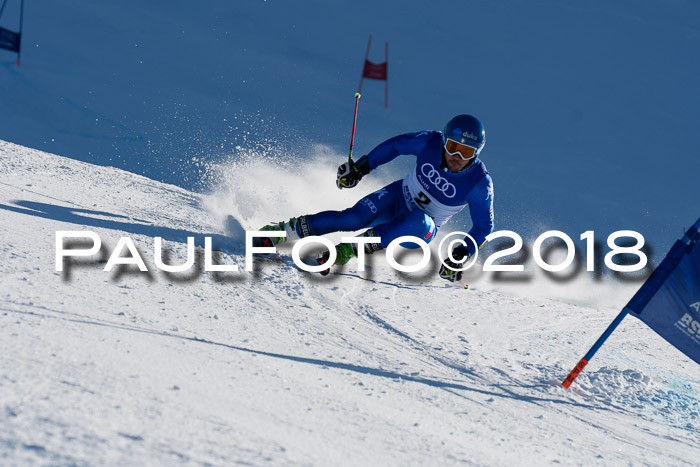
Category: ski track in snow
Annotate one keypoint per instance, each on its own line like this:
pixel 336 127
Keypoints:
pixel 281 366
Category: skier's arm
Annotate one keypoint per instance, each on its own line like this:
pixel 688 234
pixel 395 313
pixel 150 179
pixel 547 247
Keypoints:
pixel 409 143
pixel 481 210
pixel 350 173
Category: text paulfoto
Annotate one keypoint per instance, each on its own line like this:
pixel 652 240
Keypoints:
pixel 88 243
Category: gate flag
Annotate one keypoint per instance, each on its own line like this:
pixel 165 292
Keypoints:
pixel 669 301
pixel 378 71
pixel 9 40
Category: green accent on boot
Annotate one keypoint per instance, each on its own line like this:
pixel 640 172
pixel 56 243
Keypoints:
pixel 275 227
pixel 345 252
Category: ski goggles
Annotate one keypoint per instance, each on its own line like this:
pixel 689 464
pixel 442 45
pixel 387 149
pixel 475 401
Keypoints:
pixel 466 153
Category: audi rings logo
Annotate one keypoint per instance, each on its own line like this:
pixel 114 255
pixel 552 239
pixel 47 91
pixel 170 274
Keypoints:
pixel 440 183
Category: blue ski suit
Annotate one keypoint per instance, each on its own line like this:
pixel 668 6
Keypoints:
pixel 422 202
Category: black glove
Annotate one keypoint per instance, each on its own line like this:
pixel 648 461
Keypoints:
pixel 461 255
pixel 351 172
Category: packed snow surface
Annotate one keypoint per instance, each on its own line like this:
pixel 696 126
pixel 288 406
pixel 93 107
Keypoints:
pixel 285 367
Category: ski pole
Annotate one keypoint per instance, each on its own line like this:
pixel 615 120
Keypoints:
pixel 354 122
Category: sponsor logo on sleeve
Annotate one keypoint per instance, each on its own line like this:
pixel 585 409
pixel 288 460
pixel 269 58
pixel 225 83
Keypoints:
pixel 368 202
pixel 489 191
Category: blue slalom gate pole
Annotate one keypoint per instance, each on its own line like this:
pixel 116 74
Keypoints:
pixel 21 22
pixel 601 340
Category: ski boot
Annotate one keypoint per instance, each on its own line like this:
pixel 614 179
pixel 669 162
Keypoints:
pixel 272 240
pixel 344 253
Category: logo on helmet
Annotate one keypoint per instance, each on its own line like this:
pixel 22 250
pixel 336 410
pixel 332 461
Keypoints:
pixel 465 134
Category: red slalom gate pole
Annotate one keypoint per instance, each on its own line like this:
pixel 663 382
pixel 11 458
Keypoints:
pixel 354 123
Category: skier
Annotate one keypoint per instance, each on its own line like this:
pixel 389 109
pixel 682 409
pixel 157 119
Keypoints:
pixel 447 177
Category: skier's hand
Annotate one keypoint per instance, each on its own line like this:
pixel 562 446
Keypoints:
pixel 351 172
pixel 449 272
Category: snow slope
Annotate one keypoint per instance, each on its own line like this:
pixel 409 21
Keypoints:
pixel 283 367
